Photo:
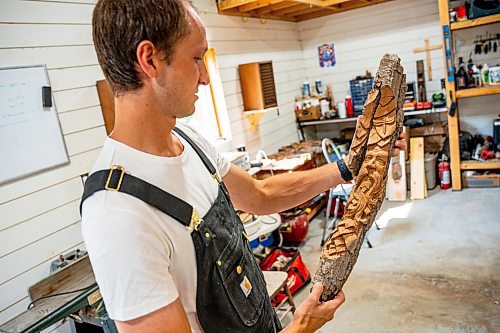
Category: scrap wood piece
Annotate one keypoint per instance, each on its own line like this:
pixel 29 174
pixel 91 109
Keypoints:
pixel 370 155
pixel 417 169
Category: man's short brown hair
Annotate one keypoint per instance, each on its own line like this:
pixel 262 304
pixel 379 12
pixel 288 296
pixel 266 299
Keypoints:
pixel 118 26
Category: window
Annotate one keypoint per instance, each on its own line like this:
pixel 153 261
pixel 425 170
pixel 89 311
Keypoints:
pixel 211 118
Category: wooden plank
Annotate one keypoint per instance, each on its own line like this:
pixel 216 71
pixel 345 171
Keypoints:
pixel 314 15
pixel 74 77
pixel 417 170
pixel 474 92
pixel 42 250
pixel 22 209
pixel 79 164
pixel 307 10
pixel 396 188
pixel 23 234
pixel 475 22
pixel 107 100
pixel 257 5
pixel 15 290
pixel 46 12
pixel 228 4
pixel 295 8
pixel 453 122
pixel 80 120
pixel 79 275
pixel 479 165
pixel 337 9
pixel 80 142
pixel 325 3
pixel 37 35
pixel 53 57
pixel 74 99
pixel 272 7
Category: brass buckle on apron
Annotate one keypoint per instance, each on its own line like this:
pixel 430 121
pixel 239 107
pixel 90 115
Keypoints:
pixel 195 221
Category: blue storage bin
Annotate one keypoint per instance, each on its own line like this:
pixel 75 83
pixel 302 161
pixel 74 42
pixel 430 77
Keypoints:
pixel 359 92
pixel 264 240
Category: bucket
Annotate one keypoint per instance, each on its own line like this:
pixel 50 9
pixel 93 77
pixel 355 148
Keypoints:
pixel 430 171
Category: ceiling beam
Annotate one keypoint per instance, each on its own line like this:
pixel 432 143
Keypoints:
pixel 324 3
pixel 228 4
pixel 258 4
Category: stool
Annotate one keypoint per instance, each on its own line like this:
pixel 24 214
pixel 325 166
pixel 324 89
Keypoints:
pixel 276 281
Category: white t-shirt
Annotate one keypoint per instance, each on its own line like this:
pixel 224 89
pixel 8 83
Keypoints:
pixel 142 258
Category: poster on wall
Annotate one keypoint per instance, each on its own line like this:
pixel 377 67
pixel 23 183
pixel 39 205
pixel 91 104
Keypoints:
pixel 326 55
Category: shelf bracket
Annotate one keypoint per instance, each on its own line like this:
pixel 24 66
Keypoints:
pixel 254 118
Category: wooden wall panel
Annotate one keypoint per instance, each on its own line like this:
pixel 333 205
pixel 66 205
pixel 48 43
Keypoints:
pixel 40 218
pixel 362 36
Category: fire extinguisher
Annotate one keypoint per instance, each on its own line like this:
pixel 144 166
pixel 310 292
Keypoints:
pixel 444 173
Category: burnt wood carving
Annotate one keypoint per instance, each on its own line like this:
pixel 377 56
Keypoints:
pixel 369 159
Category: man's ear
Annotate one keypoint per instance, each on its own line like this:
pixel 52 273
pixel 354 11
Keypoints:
pixel 147 58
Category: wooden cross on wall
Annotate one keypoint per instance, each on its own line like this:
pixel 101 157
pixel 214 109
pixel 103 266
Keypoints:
pixel 427 49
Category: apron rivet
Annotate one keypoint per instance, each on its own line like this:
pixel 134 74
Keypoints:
pixel 239 269
pixel 207 234
pixel 219 263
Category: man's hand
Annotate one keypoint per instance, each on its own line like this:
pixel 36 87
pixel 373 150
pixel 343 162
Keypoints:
pixel 399 145
pixel 312 314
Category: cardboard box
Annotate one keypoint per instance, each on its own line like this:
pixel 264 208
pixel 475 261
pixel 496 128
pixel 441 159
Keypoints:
pixel 311 113
pixel 481 180
pixel 431 129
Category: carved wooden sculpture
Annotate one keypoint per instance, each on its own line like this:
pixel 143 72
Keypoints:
pixel 369 159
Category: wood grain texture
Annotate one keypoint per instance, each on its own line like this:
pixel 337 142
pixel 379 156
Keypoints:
pixel 369 159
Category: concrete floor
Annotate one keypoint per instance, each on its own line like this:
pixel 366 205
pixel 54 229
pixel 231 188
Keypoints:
pixel 434 267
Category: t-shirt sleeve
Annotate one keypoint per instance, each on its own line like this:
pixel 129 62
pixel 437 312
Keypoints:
pixel 222 164
pixel 131 264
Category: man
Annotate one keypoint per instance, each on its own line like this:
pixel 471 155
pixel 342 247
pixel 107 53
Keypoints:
pixel 158 271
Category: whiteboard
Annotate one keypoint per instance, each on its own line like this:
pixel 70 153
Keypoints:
pixel 31 139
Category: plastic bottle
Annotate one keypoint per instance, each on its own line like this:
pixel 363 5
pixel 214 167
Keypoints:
pixel 319 87
pixel 485 74
pixel 306 89
pixel 462 79
pixel 342 110
pixel 348 106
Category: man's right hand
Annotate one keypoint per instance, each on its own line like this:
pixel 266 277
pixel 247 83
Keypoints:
pixel 313 314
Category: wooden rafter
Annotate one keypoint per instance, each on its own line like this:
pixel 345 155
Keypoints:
pixel 304 12
pixel 323 3
pixel 258 4
pixel 278 6
pixel 290 10
pixel 228 4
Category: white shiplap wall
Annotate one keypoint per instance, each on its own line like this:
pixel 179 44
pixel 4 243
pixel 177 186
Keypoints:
pixel 362 36
pixel 236 42
pixel 39 215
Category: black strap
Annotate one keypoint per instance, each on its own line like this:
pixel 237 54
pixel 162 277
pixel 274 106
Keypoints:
pixel 118 180
pixel 205 161
pixel 149 193
pixel 171 205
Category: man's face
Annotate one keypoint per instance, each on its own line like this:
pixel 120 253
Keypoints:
pixel 178 82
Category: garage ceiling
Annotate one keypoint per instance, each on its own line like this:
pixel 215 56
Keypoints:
pixel 290 10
